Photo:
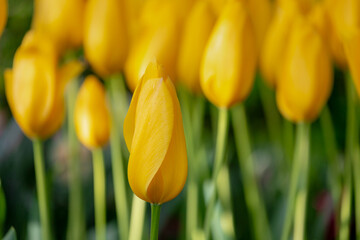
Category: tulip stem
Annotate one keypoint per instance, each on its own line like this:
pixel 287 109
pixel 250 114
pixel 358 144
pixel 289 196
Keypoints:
pixel 298 184
pixel 137 218
pixel 350 155
pixel 221 140
pixel 119 103
pixel 253 198
pixel 76 224
pixel 334 176
pixel 155 218
pixel 42 189
pixel 99 194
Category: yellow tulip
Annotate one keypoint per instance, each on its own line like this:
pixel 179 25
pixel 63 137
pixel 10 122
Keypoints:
pixel 346 14
pixel 196 32
pixel 92 116
pixel 228 65
pixel 276 39
pixel 320 18
pixel 305 79
pixel 62 20
pixel 160 42
pixel 35 87
pixel 154 135
pixel 105 36
pixel 3 14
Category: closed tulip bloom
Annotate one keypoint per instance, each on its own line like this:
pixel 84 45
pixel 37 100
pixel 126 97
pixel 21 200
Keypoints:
pixel 105 36
pixel 228 65
pixel 276 39
pixel 3 14
pixel 62 20
pixel 92 117
pixel 346 14
pixel 159 41
pixel 35 87
pixel 305 80
pixel 154 135
pixel 196 32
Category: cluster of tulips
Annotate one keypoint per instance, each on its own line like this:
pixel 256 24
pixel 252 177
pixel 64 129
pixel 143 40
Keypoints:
pixel 210 48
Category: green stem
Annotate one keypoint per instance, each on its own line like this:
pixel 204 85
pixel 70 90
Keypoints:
pixel 41 189
pixel 137 218
pixel 334 176
pixel 221 139
pixel 351 140
pixel 301 153
pixel 119 103
pixel 191 207
pixel 303 159
pixel 288 139
pixel 252 194
pixel 155 217
pixel 99 194
pixel 76 223
pixel 273 120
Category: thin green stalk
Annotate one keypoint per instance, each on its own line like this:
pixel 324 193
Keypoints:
pixel 273 120
pixel 221 140
pixel 137 218
pixel 155 218
pixel 119 102
pixel 99 194
pixel 301 153
pixel 351 140
pixel 288 130
pixel 253 199
pixel 303 158
pixel 76 223
pixel 334 176
pixel 41 189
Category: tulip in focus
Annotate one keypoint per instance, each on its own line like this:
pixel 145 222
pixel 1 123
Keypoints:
pixel 228 65
pixel 3 14
pixel 305 80
pixel 62 20
pixel 159 41
pixel 92 117
pixel 35 86
pixel 196 32
pixel 105 36
pixel 154 135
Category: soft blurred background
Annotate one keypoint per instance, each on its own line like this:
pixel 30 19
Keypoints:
pixel 19 186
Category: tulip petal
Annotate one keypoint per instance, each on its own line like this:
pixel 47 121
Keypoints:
pixel 154 122
pixel 67 72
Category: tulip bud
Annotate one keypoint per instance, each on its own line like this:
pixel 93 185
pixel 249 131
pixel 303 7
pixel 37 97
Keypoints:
pixel 196 32
pixel 277 37
pixel 305 79
pixel 154 135
pixel 92 117
pixel 228 65
pixel 105 36
pixel 159 41
pixel 320 18
pixel 62 20
pixel 35 87
pixel 3 14
pixel 346 14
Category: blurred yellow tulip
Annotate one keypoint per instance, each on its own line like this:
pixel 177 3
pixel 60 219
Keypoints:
pixel 305 79
pixel 320 18
pixel 62 20
pixel 154 135
pixel 91 114
pixel 35 86
pixel 346 14
pixel 105 36
pixel 196 32
pixel 272 52
pixel 228 65
pixel 160 42
pixel 3 14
